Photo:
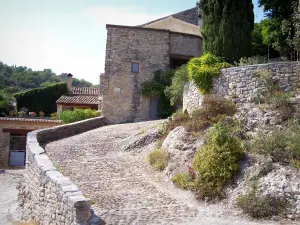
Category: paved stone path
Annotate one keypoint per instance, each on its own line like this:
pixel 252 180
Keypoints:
pixel 8 195
pixel 124 188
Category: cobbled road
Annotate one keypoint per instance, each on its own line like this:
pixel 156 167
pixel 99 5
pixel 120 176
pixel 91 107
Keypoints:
pixel 124 188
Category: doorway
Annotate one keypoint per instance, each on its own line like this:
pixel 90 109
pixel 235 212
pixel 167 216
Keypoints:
pixel 17 149
pixel 153 107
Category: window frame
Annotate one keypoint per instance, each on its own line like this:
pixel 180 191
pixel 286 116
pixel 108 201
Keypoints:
pixel 139 66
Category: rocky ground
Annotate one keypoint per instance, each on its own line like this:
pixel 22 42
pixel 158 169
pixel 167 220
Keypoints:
pixel 109 165
pixel 8 195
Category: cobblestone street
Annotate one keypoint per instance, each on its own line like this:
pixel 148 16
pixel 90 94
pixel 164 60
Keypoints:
pixel 9 195
pixel 123 187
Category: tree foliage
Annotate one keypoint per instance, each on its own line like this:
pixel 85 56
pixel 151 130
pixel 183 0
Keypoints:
pixel 14 79
pixel 227 26
pixel 175 91
pixel 281 29
pixel 41 99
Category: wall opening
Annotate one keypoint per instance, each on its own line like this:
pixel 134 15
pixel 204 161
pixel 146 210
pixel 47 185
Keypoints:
pixel 177 61
pixel 17 149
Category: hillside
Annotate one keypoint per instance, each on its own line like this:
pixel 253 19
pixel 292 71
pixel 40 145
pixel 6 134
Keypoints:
pixel 19 78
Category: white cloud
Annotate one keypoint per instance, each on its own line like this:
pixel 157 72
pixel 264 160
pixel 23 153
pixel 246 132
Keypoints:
pixel 121 16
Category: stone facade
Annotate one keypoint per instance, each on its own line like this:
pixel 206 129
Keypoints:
pixel 239 84
pixel 151 48
pixel 8 125
pixel 185 45
pixel 45 195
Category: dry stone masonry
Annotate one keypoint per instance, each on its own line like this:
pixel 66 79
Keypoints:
pixel 239 84
pixel 47 196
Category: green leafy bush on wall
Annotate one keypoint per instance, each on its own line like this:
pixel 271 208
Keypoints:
pixel 70 116
pixel 202 70
pixel 175 91
pixel 41 99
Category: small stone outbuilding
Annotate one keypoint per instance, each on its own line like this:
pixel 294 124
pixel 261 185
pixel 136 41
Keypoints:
pixel 13 133
pixel 79 97
pixel 134 53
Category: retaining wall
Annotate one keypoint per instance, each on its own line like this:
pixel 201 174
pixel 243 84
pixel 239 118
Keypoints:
pixel 45 195
pixel 240 84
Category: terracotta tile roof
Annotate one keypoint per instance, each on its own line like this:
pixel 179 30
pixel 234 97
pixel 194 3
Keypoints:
pixel 29 120
pixel 79 99
pixel 84 91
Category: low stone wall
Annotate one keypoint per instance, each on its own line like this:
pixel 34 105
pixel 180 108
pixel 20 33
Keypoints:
pixel 45 195
pixel 239 84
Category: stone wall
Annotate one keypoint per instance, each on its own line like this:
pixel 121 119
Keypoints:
pixel 239 84
pixel 16 125
pixel 185 45
pixel 122 100
pixel 45 194
pixel 151 48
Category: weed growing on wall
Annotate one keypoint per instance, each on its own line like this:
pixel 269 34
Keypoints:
pixel 202 70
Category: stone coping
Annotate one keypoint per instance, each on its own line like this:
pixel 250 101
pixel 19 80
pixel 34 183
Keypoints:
pixel 38 158
pixel 261 65
pixel 29 120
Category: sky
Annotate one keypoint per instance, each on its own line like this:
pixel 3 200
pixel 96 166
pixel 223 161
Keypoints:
pixel 69 36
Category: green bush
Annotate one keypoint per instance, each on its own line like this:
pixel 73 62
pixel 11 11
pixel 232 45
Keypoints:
pixel 183 180
pixel 158 159
pixel 41 99
pixel 70 116
pixel 202 70
pixel 175 91
pixel 217 162
pixel 258 206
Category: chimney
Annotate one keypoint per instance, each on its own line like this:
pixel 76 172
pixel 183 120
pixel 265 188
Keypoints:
pixel 69 82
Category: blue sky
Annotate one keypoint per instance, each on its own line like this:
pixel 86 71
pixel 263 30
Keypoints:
pixel 70 35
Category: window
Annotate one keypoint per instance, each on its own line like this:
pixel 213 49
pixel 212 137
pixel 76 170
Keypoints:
pixel 135 68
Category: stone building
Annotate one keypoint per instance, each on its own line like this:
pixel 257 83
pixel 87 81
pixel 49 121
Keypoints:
pixel 134 53
pixel 13 133
pixel 79 97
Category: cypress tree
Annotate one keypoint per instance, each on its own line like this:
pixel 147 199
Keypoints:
pixel 227 27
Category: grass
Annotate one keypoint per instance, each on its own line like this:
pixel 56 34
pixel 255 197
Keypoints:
pixel 158 159
pixel 258 206
pixel 282 145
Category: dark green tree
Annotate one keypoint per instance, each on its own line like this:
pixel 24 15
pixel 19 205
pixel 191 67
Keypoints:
pixel 227 26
